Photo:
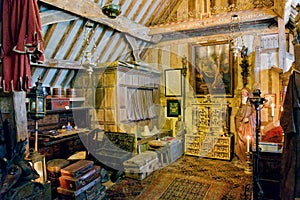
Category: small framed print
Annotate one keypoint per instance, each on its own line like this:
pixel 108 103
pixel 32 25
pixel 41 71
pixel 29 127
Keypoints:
pixel 270 100
pixel 173 81
pixel 173 108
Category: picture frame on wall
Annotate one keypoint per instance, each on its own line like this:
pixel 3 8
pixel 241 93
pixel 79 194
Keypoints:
pixel 212 69
pixel 173 108
pixel 173 80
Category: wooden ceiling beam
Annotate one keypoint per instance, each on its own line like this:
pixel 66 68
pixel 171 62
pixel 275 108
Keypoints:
pixel 92 11
pixel 246 16
pixel 59 64
pixel 56 16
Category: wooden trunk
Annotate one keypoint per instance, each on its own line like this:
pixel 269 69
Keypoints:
pixel 92 191
pixel 77 169
pixel 57 103
pixel 77 183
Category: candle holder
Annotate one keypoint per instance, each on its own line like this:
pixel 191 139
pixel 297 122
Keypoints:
pixel 257 101
pixel 248 168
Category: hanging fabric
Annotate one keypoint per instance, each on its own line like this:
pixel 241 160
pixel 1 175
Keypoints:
pixel 21 36
pixel 290 122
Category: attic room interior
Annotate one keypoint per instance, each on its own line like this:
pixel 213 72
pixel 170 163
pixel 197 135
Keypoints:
pixel 150 99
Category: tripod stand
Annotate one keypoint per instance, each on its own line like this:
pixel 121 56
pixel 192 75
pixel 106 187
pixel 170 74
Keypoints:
pixel 256 100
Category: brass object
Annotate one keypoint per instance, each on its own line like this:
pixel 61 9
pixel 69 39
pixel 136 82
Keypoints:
pixel 111 10
pixel 248 168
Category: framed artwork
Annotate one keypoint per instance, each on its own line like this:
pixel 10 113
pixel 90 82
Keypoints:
pixel 173 81
pixel 212 71
pixel 270 100
pixel 173 108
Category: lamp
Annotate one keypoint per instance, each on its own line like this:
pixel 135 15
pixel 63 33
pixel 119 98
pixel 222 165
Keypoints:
pixel 87 60
pixel 89 47
pixel 38 162
pixel 36 106
pixel 257 101
pixel 234 40
pixel 111 10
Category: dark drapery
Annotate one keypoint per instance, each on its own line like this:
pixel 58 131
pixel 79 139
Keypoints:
pixel 290 122
pixel 21 36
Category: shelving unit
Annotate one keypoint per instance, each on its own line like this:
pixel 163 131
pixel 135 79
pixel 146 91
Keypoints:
pixel 210 137
pixel 124 95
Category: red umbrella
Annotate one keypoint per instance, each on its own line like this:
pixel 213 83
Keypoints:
pixel 21 36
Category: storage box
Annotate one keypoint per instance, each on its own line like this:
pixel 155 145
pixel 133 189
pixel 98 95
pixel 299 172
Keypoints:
pixel 162 155
pixel 77 169
pixel 268 146
pixel 175 148
pixel 113 158
pixel 92 191
pixel 141 165
pixel 77 183
pixel 57 103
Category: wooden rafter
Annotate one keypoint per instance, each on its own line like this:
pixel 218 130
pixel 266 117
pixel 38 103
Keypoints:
pixel 59 64
pixel 148 11
pixel 79 32
pixel 49 34
pixel 155 13
pixel 135 15
pixel 63 39
pixel 254 15
pixel 112 52
pixel 92 11
pixel 107 44
pixel 98 41
pixel 56 76
pixel 55 16
pixel 174 8
pixel 68 78
pixel 85 44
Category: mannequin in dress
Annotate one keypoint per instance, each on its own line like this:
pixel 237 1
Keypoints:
pixel 245 125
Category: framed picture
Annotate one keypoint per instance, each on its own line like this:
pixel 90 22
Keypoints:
pixel 173 108
pixel 212 71
pixel 270 100
pixel 173 81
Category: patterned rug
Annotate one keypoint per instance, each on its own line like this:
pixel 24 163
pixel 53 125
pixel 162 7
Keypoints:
pixel 226 181
pixel 185 189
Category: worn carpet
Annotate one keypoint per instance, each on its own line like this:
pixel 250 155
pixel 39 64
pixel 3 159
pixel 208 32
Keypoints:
pixel 201 178
pixel 185 189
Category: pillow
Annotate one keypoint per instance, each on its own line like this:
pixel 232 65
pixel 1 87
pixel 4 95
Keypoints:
pixel 157 143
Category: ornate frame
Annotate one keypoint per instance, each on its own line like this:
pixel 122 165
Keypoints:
pixel 212 69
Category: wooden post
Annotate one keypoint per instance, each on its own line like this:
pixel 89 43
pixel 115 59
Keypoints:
pixel 13 110
pixel 20 115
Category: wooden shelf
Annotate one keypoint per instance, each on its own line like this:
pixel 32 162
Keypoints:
pixel 77 99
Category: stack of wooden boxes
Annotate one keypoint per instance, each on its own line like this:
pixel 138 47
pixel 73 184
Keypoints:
pixel 81 180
